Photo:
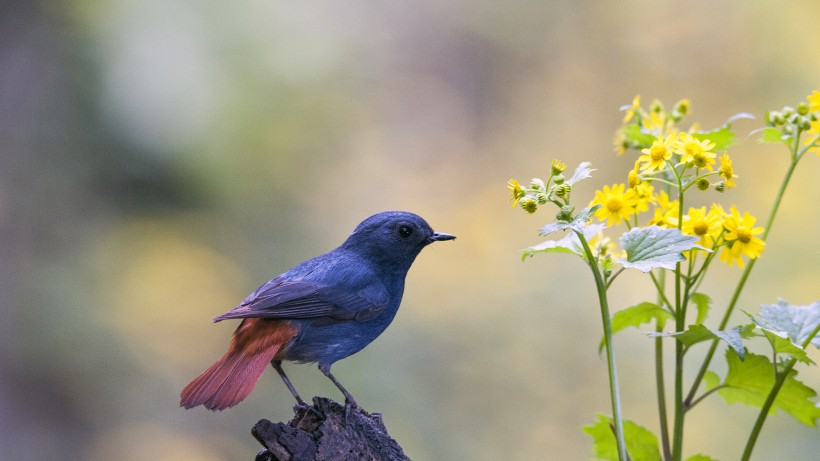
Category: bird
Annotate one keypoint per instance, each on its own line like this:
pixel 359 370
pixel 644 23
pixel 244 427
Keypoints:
pixel 320 311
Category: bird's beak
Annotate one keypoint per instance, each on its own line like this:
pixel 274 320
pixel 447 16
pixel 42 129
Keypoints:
pixel 440 236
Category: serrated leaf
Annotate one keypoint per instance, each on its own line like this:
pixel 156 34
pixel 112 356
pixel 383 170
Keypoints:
pixel 699 333
pixel 578 223
pixel 723 137
pixel 797 322
pixel 783 345
pixel 568 244
pixel 702 303
pixel 582 172
pixel 750 381
pixel 635 136
pixel 711 380
pixel 651 247
pixel 636 315
pixel 771 135
pixel 641 444
pixel 700 457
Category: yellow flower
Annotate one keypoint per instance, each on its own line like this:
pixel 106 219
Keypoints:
pixel 703 224
pixel 740 233
pixel 655 122
pixel 698 153
pixel 666 211
pixel 516 191
pixel 814 101
pixel 726 171
pixel 655 157
pixel 602 246
pixel 630 113
pixel 617 203
pixel 813 133
pixel 643 192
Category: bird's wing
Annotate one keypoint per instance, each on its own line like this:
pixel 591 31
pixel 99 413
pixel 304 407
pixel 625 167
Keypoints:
pixel 301 299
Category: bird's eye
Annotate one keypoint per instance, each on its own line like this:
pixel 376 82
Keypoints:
pixel 405 231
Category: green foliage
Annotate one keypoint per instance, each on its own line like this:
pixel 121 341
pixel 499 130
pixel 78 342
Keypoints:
pixel 577 224
pixel 751 380
pixel 641 444
pixel 723 137
pixel 653 247
pixel 703 303
pixel 637 315
pixel 670 163
pixel 798 322
pixel 699 333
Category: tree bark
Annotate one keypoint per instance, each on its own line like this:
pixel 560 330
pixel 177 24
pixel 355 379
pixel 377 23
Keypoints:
pixel 327 431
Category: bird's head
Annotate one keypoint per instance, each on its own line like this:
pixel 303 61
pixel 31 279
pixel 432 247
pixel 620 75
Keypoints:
pixel 393 237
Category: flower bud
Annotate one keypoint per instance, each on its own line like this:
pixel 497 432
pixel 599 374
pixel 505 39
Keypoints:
pixel 558 167
pixel 561 190
pixel 802 108
pixel 683 106
pixel 537 184
pixel 720 187
pixel 542 198
pixel 529 205
pixel 703 183
pixel 778 118
pixel 788 111
pixel 566 213
pixel 803 123
pixel 558 179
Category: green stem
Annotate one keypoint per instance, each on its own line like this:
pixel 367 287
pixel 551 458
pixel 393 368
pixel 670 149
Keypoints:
pixel 745 276
pixel 614 388
pixel 680 325
pixel 767 406
pixel 659 375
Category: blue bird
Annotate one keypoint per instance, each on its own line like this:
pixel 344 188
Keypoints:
pixel 320 311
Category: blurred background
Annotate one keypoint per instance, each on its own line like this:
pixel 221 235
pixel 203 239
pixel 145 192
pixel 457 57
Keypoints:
pixel 161 159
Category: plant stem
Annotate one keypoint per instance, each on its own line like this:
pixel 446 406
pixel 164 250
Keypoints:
pixel 614 388
pixel 745 276
pixel 767 405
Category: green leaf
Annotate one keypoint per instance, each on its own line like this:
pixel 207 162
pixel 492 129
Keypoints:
pixel 699 333
pixel 723 137
pixel 750 381
pixel 568 244
pixel 783 345
pixel 636 315
pixel 711 380
pixel 582 172
pixel 578 223
pixel 700 457
pixel 636 137
pixel 641 444
pixel 703 303
pixel 798 322
pixel 771 135
pixel 651 247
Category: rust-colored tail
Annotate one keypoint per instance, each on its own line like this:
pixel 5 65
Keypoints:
pixel 228 381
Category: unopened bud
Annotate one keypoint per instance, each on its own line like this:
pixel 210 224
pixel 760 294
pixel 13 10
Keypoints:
pixel 566 213
pixel 802 108
pixel 537 184
pixel 542 198
pixel 721 187
pixel 529 205
pixel 562 190
pixel 703 184
pixel 558 179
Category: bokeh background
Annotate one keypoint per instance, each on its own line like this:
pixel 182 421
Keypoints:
pixel 161 159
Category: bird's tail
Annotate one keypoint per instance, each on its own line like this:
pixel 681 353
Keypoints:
pixel 228 381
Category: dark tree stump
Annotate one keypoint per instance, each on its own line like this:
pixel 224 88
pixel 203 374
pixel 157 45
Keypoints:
pixel 327 431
